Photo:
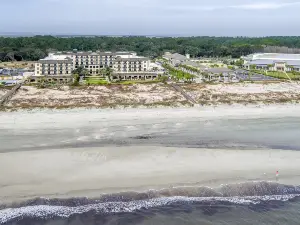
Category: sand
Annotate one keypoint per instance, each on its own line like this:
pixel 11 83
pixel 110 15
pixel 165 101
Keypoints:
pixel 90 172
pixel 244 93
pixel 3 91
pixel 154 95
pixel 96 96
pixel 27 172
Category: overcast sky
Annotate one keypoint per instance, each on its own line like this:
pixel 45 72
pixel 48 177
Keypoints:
pixel 152 17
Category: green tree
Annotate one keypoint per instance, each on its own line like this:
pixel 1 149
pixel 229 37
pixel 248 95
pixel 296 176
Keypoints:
pixel 33 48
pixel 270 66
pixel 81 71
pixel 239 63
pixel 252 67
pixel 164 79
pixel 107 72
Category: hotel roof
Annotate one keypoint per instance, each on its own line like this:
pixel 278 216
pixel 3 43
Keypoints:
pixel 97 53
pixel 133 58
pixel 273 56
pixel 56 59
pixel 175 56
pixel 271 62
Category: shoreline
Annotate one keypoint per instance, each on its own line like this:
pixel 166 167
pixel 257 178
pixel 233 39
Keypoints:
pixel 89 171
pixel 139 171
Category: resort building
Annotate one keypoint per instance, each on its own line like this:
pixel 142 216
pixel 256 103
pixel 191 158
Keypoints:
pixel 273 62
pixel 129 64
pixel 125 65
pixel 176 58
pixel 54 68
pixel 54 65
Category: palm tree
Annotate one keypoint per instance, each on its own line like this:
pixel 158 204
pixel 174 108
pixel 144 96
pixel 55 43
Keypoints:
pixel 107 72
pixel 252 67
pixel 77 73
pixel 80 71
pixel 270 66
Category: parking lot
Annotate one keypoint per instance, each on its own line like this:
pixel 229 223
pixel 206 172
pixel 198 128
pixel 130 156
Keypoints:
pixel 244 75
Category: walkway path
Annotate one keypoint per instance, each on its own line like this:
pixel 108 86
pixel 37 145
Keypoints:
pixel 187 97
pixel 5 98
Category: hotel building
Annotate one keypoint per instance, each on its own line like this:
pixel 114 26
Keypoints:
pixel 273 62
pixel 125 65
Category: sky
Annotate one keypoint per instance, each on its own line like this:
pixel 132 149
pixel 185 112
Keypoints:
pixel 152 17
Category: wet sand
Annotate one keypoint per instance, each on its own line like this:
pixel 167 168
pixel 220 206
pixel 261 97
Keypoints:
pixel 86 153
pixel 89 172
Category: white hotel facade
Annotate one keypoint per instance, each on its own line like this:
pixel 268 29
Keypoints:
pixel 125 65
pixel 273 62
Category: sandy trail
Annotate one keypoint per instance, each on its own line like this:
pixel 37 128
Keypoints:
pixel 90 172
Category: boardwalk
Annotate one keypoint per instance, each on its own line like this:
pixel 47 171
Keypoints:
pixel 179 89
pixel 5 98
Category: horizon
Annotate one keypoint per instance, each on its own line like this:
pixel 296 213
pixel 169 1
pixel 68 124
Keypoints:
pixel 61 35
pixel 250 18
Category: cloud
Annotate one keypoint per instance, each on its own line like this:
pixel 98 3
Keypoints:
pixel 260 6
pixel 252 6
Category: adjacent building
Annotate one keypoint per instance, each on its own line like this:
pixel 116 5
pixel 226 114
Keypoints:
pixel 273 62
pixel 125 65
pixel 176 58
pixel 54 65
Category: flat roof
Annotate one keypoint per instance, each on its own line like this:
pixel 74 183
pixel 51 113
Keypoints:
pixel 219 70
pixel 175 56
pixel 55 61
pixel 135 58
pixel 271 62
pixel 274 56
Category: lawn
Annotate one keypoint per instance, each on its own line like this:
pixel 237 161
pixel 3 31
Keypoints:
pixel 277 74
pixel 96 81
pixel 282 75
pixel 130 82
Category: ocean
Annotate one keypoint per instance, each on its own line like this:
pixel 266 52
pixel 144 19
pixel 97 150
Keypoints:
pixel 150 166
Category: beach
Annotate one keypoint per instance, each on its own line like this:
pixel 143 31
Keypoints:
pixel 91 172
pixel 121 150
pixel 145 158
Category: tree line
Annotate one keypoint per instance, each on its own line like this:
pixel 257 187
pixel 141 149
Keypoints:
pixel 34 48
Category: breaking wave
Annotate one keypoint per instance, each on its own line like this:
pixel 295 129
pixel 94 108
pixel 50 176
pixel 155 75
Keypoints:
pixel 246 194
